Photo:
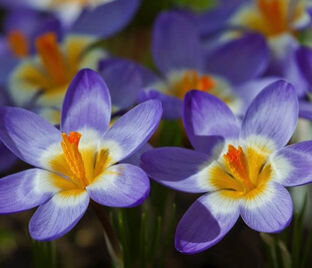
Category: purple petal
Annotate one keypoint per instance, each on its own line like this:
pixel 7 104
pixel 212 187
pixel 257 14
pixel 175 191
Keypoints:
pixel 293 164
pixel 304 58
pixel 249 90
pixel 147 76
pixel 269 212
pixel 24 190
pixel 7 159
pixel 207 120
pixel 37 24
pixel 123 185
pixel 26 134
pixel 172 106
pixel 249 58
pixel 205 223
pixel 217 18
pixel 124 89
pixel 176 43
pixel 135 159
pixel 106 19
pixel 58 216
pixel 273 114
pixel 177 168
pixel 133 129
pixel 87 103
pixel 305 109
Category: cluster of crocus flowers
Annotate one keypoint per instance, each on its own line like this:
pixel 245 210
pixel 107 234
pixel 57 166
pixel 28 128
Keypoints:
pixel 184 65
pixel 79 162
pixel 243 167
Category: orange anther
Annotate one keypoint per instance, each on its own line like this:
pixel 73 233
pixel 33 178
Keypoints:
pixel 18 43
pixel 51 57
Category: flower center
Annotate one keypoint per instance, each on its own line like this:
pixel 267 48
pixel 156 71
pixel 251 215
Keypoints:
pixel 192 80
pixel 83 167
pixel 18 43
pixel 51 57
pixel 243 174
pixel 274 13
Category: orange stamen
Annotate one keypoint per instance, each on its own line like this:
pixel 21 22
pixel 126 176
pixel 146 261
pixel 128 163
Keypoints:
pixel 193 80
pixel 237 164
pixel 73 157
pixel 18 43
pixel 205 83
pixel 275 13
pixel 51 57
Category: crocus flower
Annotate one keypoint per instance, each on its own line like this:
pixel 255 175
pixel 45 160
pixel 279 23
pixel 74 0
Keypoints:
pixel 97 17
pixel 179 55
pixel 18 38
pixel 77 163
pixel 243 169
pixel 279 21
pixel 42 79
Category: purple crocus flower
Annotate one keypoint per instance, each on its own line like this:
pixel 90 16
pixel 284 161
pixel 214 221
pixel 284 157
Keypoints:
pixel 178 53
pixel 243 169
pixel 96 17
pixel 278 21
pixel 77 163
pixel 18 38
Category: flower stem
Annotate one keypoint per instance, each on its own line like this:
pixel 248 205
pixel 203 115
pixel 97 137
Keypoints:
pixel 111 239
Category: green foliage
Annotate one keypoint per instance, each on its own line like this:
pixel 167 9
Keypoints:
pixel 44 254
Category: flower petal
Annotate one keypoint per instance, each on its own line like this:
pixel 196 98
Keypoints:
pixel 59 215
pixel 87 103
pixel 172 106
pixel 272 114
pixel 106 19
pixel 205 223
pixel 7 159
pixel 124 89
pixel 176 43
pixel 135 159
pixel 177 168
pixel 249 58
pixel 121 185
pixel 292 165
pixel 24 190
pixel 26 134
pixel 207 120
pixel 269 212
pixel 304 59
pixel 132 130
pixel 305 109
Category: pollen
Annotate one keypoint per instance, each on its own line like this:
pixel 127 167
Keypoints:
pixel 243 174
pixel 18 43
pixel 193 80
pixel 73 158
pixel 51 57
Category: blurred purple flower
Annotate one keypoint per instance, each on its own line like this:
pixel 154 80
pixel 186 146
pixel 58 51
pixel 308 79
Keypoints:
pixel 180 58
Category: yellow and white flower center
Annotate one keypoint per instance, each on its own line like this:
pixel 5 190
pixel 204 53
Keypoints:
pixel 271 17
pixel 241 173
pixel 181 82
pixel 52 69
pixel 80 166
pixel 18 43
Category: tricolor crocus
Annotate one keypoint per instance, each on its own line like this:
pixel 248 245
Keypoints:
pixel 42 79
pixel 242 168
pixel 180 57
pixel 18 38
pixel 77 163
pixel 280 22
